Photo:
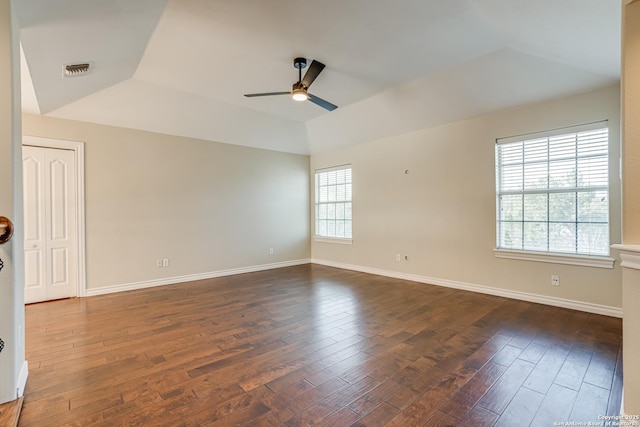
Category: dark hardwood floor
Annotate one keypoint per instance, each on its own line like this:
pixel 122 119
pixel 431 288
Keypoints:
pixel 316 346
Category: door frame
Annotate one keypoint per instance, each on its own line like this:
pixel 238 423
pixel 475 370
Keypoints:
pixel 78 149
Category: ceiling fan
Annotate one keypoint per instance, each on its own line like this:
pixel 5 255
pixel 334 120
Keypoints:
pixel 300 88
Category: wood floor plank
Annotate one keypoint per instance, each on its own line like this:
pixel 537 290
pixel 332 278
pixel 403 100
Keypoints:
pixel 342 417
pixel 522 408
pixel 428 403
pixel 334 403
pixel 602 366
pixel 325 358
pixel 507 355
pixel 315 345
pixel 503 390
pixel 248 410
pixel 287 406
pixel 615 395
pixel 442 419
pixel 547 369
pixel 479 417
pixel 374 398
pixel 556 406
pixel 10 412
pixel 575 367
pixel 463 401
pixel 533 353
pixel 377 418
pixel 590 404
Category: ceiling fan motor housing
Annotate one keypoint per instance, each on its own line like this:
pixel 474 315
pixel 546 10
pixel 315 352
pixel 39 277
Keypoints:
pixel 300 63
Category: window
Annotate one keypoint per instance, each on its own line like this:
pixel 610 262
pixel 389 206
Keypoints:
pixel 333 203
pixel 553 192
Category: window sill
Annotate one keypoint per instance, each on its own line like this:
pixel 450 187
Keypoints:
pixel 629 255
pixel 584 261
pixel 338 240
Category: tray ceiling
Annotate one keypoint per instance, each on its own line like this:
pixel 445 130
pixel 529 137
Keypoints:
pixel 181 67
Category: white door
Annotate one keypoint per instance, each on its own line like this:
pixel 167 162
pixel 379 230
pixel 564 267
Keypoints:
pixel 50 216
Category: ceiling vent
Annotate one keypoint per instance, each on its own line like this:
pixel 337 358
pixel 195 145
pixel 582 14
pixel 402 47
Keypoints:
pixel 76 70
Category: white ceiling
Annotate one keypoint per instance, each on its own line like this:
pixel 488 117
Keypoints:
pixel 181 67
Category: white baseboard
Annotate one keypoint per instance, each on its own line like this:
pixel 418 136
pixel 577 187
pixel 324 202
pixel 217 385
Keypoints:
pixel 541 299
pixel 191 277
pixel 22 379
pixel 524 296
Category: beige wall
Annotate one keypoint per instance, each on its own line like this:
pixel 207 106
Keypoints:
pixel 442 213
pixel 205 206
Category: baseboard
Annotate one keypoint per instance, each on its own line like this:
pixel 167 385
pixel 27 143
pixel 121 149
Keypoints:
pixel 524 296
pixel 192 277
pixel 22 379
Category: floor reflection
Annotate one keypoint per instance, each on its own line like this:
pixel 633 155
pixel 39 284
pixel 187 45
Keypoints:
pixel 336 311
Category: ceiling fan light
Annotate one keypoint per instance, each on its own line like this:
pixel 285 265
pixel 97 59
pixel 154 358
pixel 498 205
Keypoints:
pixel 300 95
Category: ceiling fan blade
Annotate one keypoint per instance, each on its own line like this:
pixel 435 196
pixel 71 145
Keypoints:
pixel 322 103
pixel 251 95
pixel 314 69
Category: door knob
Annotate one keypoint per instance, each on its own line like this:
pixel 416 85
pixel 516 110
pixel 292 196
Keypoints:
pixel 6 229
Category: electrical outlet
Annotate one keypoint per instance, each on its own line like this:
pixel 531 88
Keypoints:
pixel 398 257
pixel 165 262
pixel 158 263
pixel 555 280
pixel 270 251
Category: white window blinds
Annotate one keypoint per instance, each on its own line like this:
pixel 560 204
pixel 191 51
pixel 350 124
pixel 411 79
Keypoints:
pixel 333 202
pixel 553 191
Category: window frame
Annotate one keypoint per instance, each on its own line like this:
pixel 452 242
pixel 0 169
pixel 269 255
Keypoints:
pixel 317 202
pixel 551 256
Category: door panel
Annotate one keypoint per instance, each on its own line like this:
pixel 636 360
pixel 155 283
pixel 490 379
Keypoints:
pixel 34 224
pixel 33 274
pixel 50 221
pixel 59 198
pixel 32 168
pixel 59 267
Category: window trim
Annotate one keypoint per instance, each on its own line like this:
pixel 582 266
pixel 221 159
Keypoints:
pixel 554 132
pixel 556 258
pixel 339 240
pixel 330 239
pixel 580 259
